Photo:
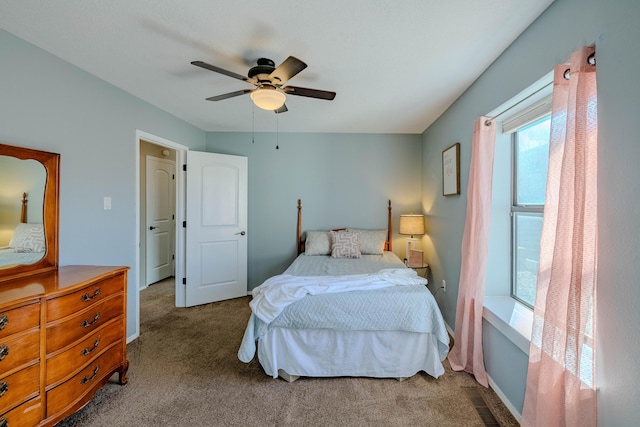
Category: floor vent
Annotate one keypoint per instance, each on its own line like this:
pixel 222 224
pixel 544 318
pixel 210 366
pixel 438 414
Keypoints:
pixel 481 406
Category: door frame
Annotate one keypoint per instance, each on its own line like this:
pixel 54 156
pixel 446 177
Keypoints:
pixel 180 194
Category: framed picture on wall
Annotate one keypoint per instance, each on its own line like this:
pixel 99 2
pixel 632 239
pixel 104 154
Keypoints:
pixel 451 170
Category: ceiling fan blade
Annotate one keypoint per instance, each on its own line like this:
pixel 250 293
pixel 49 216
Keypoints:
pixel 222 71
pixel 229 95
pixel 311 93
pixel 289 68
pixel 282 109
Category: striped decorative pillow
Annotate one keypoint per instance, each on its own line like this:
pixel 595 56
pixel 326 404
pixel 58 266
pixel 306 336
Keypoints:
pixel 28 238
pixel 344 244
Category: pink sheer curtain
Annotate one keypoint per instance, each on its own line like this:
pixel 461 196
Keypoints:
pixel 466 353
pixel 560 387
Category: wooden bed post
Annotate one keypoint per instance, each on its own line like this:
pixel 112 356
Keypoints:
pixel 23 210
pixel 389 230
pixel 299 239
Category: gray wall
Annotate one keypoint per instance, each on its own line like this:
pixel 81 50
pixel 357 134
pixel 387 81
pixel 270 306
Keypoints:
pixel 48 104
pixel 563 28
pixel 344 180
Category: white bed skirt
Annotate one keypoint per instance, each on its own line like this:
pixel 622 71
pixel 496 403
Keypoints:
pixel 330 353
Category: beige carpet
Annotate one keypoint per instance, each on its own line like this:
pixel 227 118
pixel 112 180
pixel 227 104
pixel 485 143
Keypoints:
pixel 184 372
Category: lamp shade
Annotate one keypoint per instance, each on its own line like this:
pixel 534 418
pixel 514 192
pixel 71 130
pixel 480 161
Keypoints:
pixel 268 98
pixel 411 224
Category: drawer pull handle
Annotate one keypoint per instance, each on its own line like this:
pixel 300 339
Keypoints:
pixel 85 323
pixel 4 387
pixel 4 422
pixel 88 351
pixel 86 297
pixel 87 379
pixel 4 352
pixel 4 321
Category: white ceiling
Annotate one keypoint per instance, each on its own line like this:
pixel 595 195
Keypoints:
pixel 395 65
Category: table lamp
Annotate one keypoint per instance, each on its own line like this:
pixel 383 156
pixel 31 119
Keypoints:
pixel 411 225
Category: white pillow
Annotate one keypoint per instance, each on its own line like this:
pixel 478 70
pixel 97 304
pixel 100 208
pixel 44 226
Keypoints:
pixel 28 238
pixel 344 244
pixel 371 241
pixel 317 243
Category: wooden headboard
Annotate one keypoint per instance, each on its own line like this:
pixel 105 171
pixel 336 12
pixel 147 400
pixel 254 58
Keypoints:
pixel 23 210
pixel 387 244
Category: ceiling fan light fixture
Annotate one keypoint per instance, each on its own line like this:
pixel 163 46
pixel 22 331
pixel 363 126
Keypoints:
pixel 268 98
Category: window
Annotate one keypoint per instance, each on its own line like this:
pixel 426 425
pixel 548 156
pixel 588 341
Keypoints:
pixel 515 218
pixel 529 183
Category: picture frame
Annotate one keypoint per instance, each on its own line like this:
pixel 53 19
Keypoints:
pixel 416 258
pixel 451 170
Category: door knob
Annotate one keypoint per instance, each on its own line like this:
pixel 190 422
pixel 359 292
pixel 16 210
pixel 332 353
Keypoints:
pixel 242 233
pixel 152 227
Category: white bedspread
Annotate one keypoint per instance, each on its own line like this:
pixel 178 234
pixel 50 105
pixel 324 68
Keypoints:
pixel 319 265
pixel 276 293
pixel 9 257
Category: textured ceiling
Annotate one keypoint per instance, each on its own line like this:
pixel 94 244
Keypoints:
pixel 396 66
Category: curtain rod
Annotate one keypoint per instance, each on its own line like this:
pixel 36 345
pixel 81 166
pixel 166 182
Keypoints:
pixel 490 119
pixel 591 60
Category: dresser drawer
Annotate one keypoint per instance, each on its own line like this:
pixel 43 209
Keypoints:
pixel 26 415
pixel 75 327
pixel 19 387
pixel 63 364
pixel 65 305
pixel 18 350
pixel 19 319
pixel 58 398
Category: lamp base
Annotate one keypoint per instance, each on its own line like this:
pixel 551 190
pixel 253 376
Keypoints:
pixel 412 243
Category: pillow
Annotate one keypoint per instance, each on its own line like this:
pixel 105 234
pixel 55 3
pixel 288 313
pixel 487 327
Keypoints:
pixel 28 238
pixel 317 243
pixel 371 241
pixel 344 244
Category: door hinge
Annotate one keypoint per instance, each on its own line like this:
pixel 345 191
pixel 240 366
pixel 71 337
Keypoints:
pixel 184 224
pixel 173 176
pixel 184 280
pixel 184 167
pixel 173 257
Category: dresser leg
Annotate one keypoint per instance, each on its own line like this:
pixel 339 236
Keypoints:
pixel 122 374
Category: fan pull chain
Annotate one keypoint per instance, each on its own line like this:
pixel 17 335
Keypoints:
pixel 253 123
pixel 277 132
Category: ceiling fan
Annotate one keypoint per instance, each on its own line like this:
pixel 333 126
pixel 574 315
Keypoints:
pixel 268 79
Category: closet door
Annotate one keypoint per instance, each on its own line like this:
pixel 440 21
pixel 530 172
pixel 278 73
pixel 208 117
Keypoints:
pixel 160 222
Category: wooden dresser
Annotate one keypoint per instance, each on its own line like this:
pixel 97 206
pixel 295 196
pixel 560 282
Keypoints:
pixel 62 337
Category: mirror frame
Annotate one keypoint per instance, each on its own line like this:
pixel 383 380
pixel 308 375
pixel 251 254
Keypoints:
pixel 50 216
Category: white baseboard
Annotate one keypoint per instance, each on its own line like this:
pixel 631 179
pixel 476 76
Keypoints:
pixel 494 386
pixel 451 331
pixel 503 397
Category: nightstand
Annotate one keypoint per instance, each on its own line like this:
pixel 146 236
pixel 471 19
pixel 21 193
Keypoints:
pixel 421 269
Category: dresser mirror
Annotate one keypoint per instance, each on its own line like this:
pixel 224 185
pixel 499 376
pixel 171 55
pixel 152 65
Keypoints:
pixel 29 207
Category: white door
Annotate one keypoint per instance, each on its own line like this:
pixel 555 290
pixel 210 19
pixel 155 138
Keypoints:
pixel 160 224
pixel 216 254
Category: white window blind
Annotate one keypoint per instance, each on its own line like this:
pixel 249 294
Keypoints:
pixel 527 115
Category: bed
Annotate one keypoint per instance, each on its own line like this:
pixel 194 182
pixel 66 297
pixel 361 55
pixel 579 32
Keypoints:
pixel 360 316
pixel 27 244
